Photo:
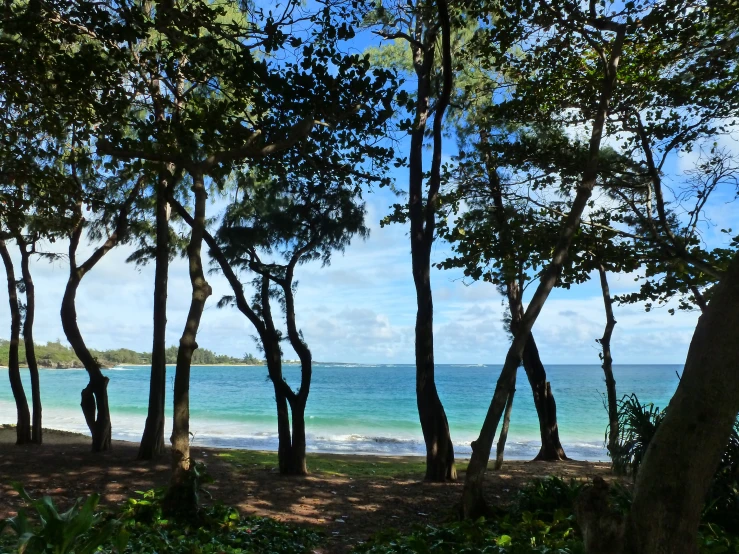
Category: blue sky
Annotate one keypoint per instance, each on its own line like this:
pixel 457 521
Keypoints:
pixel 362 309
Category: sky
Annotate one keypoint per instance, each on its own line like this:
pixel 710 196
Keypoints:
pixel 361 308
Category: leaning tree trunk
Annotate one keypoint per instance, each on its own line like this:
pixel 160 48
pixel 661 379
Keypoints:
pixel 152 441
pixel 36 427
pixel 546 408
pixel 94 397
pixel 605 343
pixel 683 455
pixel 23 425
pixel 473 501
pixel 499 451
pixel 182 496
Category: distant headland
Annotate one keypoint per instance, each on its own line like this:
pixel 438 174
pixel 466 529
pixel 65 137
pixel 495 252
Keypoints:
pixel 55 355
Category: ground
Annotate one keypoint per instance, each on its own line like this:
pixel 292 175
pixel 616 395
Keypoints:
pixel 349 498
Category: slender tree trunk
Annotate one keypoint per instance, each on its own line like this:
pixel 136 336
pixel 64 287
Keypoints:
pixel 181 496
pixel 36 427
pixel 422 215
pixel 94 397
pixel 298 465
pixel 605 343
pixel 682 457
pixel 546 408
pixel 152 441
pixel 23 424
pixel 284 436
pixel 504 431
pixel 473 501
pixel 94 401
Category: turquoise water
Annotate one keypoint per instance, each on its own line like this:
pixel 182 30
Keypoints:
pixel 354 408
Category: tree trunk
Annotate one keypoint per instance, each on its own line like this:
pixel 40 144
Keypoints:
pixel 23 424
pixel 94 397
pixel 605 342
pixel 546 408
pixel 504 431
pixel 683 455
pixel 152 442
pixel 182 496
pixel 473 502
pixel 36 427
pixel 422 215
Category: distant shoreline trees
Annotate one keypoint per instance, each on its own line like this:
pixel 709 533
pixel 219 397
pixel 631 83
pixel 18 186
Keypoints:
pixel 55 354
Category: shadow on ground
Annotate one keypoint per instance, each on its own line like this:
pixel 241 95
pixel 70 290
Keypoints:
pixel 348 510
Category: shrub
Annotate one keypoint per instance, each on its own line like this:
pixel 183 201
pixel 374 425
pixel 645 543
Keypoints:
pixel 637 424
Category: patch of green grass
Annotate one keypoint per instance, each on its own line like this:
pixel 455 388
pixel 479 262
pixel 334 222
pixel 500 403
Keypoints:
pixel 336 464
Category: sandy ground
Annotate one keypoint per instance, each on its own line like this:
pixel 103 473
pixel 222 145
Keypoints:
pixel 347 510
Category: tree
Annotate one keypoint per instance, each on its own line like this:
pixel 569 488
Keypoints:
pixel 682 457
pixel 425 27
pixel 94 403
pixel 501 239
pixel 592 29
pixel 292 219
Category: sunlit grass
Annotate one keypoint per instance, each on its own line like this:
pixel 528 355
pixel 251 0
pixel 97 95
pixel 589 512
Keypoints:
pixel 341 465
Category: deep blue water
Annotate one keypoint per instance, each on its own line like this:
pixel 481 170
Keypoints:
pixel 355 408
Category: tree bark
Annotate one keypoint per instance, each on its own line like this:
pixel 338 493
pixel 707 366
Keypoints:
pixel 682 457
pixel 504 431
pixel 36 427
pixel 181 496
pixel 152 442
pixel 23 423
pixel 546 408
pixel 605 343
pixel 473 502
pixel 422 215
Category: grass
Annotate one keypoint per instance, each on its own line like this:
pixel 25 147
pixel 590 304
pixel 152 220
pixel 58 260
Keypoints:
pixel 337 464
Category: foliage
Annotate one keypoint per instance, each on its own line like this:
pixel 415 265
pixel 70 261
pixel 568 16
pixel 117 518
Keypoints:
pixel 79 530
pixel 541 520
pixel 140 527
pixel 723 498
pixel 637 424
pixel 218 530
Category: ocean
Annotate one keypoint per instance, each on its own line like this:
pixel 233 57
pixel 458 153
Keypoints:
pixel 354 408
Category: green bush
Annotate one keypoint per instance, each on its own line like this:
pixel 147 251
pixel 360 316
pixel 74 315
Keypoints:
pixel 79 530
pixel 637 424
